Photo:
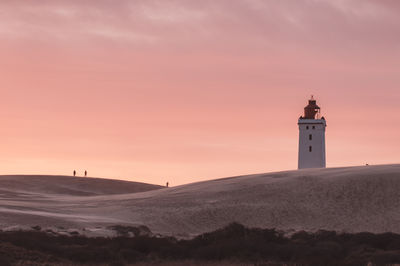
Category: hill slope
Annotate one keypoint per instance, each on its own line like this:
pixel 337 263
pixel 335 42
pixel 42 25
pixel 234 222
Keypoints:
pixel 352 199
pixel 68 185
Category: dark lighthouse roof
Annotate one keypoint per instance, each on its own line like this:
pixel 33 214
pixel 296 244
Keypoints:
pixel 311 109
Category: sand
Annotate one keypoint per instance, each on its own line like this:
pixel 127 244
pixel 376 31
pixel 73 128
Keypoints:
pixel 351 199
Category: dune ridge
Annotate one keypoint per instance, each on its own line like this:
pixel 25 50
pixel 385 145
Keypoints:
pixel 351 199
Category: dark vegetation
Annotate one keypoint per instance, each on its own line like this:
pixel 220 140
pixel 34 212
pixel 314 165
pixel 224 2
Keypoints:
pixel 234 243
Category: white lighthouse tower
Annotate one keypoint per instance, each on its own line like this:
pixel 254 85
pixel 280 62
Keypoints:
pixel 312 137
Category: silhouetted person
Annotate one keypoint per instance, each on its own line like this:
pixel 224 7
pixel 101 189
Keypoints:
pixel 74 173
pixel 167 184
pixel 85 173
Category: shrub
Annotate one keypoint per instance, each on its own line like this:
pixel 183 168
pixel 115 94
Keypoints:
pixel 232 243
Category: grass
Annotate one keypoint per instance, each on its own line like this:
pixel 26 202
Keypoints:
pixel 231 245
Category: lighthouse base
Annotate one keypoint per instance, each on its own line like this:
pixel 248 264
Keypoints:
pixel 311 143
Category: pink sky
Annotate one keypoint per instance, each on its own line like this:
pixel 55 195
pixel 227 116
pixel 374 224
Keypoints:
pixel 189 90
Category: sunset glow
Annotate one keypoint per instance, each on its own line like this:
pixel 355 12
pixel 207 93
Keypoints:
pixel 183 91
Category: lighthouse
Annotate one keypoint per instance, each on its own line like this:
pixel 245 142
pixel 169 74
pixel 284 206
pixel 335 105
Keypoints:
pixel 312 137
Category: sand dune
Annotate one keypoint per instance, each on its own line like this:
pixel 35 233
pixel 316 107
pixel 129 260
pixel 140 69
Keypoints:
pixel 68 185
pixel 349 199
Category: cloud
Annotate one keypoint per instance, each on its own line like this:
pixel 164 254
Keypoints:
pixel 309 21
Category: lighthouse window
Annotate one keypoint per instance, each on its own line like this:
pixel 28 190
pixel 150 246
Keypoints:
pixel 306 127
pixel 313 127
pixel 310 137
pixel 310 149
